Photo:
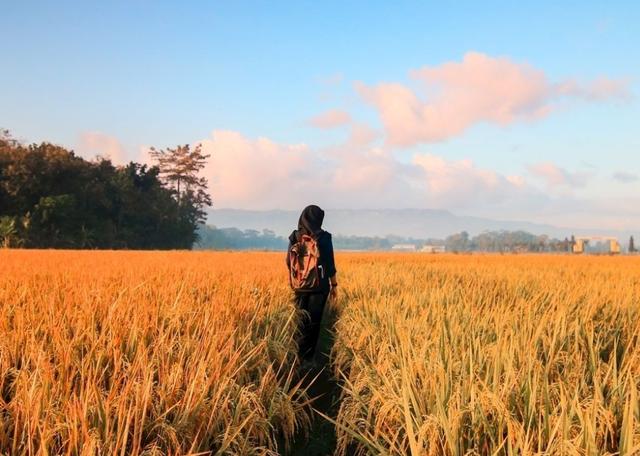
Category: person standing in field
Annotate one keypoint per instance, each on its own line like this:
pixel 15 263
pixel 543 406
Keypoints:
pixel 312 275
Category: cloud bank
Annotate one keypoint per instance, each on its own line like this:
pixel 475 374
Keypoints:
pixel 450 98
pixel 260 174
pixel 554 176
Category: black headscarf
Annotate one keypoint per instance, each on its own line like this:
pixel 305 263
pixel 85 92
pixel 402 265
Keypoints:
pixel 310 221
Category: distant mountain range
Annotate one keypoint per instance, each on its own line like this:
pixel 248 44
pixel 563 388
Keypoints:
pixel 416 223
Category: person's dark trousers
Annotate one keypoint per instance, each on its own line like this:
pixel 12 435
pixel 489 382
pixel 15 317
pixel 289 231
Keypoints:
pixel 309 330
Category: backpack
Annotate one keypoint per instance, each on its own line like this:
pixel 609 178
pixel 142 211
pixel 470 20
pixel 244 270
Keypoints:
pixel 305 270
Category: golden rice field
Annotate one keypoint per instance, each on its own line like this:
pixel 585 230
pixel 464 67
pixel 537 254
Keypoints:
pixel 146 353
pixel 194 353
pixel 466 355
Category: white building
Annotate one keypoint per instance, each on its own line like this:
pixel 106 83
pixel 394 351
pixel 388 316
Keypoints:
pixel 404 247
pixel 433 249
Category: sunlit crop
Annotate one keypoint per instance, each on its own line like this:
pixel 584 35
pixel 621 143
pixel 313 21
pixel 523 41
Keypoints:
pixel 460 355
pixel 155 353
pixel 186 353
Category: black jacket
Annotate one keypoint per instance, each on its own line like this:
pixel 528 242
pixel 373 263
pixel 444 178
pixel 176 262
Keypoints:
pixel 327 261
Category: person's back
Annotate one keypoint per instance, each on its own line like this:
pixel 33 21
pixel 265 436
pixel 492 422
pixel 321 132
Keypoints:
pixel 312 273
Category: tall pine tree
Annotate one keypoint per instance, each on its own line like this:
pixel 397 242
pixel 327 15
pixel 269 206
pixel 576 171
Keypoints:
pixel 180 169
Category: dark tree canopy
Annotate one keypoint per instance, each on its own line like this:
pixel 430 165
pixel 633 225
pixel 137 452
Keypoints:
pixel 49 197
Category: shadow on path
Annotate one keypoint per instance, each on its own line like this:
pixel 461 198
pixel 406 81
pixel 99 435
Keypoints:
pixel 322 435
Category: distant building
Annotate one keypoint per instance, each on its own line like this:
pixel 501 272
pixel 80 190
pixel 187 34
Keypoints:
pixel 404 247
pixel 433 249
pixel 611 244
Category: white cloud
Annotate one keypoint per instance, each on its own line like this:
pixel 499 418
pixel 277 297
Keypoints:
pixel 454 96
pixel 95 143
pixel 259 173
pixel 554 176
pixel 460 183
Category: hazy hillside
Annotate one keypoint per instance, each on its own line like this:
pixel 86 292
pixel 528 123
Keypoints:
pixel 418 223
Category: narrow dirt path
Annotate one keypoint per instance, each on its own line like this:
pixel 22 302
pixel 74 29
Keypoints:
pixel 322 435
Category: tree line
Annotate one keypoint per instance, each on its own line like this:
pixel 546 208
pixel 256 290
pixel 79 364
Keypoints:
pixel 52 198
pixel 514 241
pixel 213 238
pixel 505 241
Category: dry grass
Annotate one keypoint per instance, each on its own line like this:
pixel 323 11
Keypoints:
pixel 460 355
pixel 146 353
pixel 178 353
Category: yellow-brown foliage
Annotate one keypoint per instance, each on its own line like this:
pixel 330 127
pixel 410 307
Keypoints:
pixel 177 353
pixel 155 353
pixel 460 355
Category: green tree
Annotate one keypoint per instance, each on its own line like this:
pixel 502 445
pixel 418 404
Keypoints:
pixel 458 242
pixel 53 221
pixel 49 197
pixel 632 246
pixel 180 169
pixel 146 213
pixel 9 236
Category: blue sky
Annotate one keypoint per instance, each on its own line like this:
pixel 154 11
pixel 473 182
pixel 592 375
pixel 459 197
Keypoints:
pixel 558 146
